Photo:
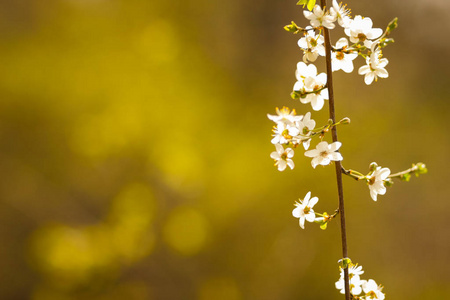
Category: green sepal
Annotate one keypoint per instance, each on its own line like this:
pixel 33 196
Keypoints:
pixel 296 95
pixel 324 226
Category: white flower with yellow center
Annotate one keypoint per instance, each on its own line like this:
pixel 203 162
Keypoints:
pixel 374 68
pixel 318 17
pixel 360 31
pixel 305 127
pixel 324 154
pixel 341 59
pixel 340 13
pixel 355 281
pixel 372 290
pixel 283 157
pixel 304 210
pixel 376 182
pixel 312 45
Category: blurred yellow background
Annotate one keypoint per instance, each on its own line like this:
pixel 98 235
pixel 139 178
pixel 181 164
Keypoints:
pixel 135 153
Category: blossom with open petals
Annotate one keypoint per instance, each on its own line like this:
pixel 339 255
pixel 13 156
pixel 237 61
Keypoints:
pixel 374 68
pixel 355 281
pixel 311 85
pixel 303 210
pixel 360 30
pixel 283 157
pixel 318 17
pixel 285 115
pixel 340 13
pixel 342 60
pixel 376 182
pixel 324 154
pixel 372 290
pixel 312 45
pixel 305 127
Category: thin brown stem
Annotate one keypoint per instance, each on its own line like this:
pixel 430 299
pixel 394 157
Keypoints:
pixel 337 163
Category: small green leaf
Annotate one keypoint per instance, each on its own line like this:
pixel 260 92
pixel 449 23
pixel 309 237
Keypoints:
pixel 311 4
pixel 406 177
pixel 345 262
pixel 302 2
pixel 324 226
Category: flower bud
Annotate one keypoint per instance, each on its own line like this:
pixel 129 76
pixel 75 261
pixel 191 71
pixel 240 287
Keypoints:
pixel 373 166
pixel 345 121
pixel 344 262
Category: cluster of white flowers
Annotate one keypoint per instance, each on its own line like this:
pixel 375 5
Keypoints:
pixel 290 129
pixel 360 32
pixel 368 288
pixel 311 85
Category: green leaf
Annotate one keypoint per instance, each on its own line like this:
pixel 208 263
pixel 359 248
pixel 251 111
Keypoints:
pixel 311 4
pixel 406 177
pixel 324 226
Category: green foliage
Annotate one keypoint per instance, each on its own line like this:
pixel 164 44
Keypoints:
pixel 309 3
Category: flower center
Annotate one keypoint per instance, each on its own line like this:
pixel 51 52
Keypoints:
pixel 313 42
pixel 307 210
pixel 284 156
pixel 372 295
pixel 372 180
pixel 285 134
pixel 340 55
pixel 362 37
pixel 324 154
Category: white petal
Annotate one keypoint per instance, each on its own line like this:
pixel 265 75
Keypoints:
pixel 310 217
pixel 315 162
pixel 336 156
pixel 382 73
pixel 335 146
pixel 369 77
pixel 302 223
pixel 290 163
pixel 313 202
pixel 279 148
pixel 296 212
pixel 364 70
pixel 275 155
pixel 325 161
pixel 306 199
pixel 317 103
pixel 281 165
pixel 312 153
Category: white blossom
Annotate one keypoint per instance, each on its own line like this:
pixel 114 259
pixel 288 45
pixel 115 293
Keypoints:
pixel 324 154
pixel 311 85
pixel 283 157
pixel 305 127
pixel 376 182
pixel 283 133
pixel 340 13
pixel 286 116
pixel 360 30
pixel 372 290
pixel 355 281
pixel 303 210
pixel 318 17
pixel 312 45
pixel 341 60
pixel 374 68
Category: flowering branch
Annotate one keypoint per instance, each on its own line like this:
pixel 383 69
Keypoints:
pixel 314 88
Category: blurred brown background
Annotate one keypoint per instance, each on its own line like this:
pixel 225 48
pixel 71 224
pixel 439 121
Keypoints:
pixel 134 153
